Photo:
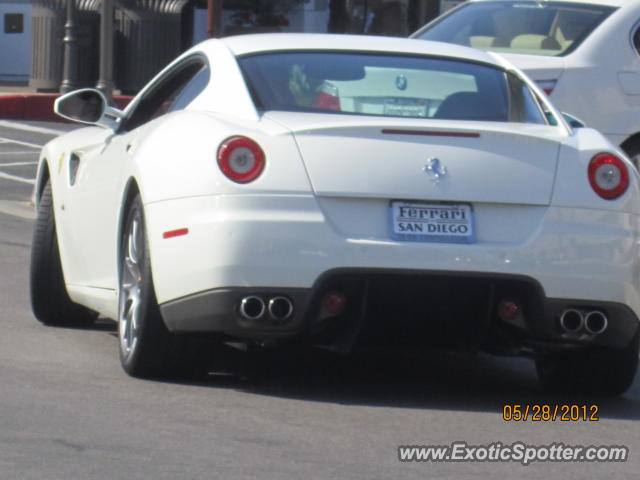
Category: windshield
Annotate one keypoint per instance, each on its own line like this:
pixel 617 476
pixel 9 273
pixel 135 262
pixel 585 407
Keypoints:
pixel 529 27
pixel 386 85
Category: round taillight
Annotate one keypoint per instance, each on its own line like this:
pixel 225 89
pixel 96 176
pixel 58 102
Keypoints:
pixel 608 176
pixel 241 159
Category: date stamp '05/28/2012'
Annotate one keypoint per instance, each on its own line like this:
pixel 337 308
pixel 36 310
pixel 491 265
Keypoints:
pixel 550 413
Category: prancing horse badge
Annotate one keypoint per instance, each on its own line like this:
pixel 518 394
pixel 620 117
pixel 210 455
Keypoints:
pixel 435 169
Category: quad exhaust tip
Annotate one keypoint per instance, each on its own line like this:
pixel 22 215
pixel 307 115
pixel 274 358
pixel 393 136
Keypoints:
pixel 593 322
pixel 571 320
pixel 280 308
pixel 252 307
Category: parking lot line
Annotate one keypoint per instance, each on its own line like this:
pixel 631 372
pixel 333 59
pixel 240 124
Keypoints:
pixel 18 153
pixel 30 128
pixel 20 142
pixel 17 209
pixel 17 179
pixel 17 164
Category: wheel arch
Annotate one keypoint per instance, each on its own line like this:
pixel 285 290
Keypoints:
pixel 129 193
pixel 42 178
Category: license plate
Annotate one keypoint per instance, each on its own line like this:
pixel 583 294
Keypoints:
pixel 432 222
pixel 401 107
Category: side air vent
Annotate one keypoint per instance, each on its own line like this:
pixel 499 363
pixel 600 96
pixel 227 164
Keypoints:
pixel 74 163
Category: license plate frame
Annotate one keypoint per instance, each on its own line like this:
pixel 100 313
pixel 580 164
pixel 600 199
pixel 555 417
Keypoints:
pixel 451 222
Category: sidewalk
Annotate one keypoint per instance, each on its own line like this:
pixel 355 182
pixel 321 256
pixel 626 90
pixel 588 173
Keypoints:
pixel 13 90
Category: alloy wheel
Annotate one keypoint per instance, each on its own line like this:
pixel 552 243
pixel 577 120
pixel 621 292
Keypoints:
pixel 131 284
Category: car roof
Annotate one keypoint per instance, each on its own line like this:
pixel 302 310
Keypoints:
pixel 272 42
pixel 609 3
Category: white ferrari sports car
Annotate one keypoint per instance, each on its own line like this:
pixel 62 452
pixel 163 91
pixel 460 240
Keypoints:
pixel 339 191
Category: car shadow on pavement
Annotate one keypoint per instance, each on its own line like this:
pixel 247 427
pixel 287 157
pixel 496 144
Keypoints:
pixel 432 379
pixel 429 379
pixel 100 325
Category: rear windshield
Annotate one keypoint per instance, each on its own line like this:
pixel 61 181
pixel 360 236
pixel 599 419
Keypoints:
pixel 534 28
pixel 386 85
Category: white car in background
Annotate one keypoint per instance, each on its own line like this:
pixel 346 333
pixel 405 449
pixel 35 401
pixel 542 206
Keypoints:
pixel 330 190
pixel 585 54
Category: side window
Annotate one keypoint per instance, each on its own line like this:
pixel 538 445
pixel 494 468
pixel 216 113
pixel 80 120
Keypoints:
pixel 548 115
pixel 523 106
pixel 636 39
pixel 191 90
pixel 167 94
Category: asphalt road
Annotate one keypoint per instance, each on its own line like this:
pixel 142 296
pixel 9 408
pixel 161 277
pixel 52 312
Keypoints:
pixel 67 411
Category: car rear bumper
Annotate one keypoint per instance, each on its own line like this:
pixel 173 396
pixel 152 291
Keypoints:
pixel 289 243
pixel 395 307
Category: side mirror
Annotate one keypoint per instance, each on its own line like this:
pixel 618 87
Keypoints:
pixel 574 122
pixel 88 106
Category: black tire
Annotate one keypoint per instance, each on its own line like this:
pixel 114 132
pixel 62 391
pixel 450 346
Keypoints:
pixel 50 302
pixel 147 348
pixel 598 371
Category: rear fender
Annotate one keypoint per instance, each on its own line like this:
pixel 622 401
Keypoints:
pixel 572 187
pixel 177 158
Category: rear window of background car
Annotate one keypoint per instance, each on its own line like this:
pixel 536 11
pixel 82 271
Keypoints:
pixel 534 28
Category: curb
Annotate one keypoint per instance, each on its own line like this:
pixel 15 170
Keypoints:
pixel 39 106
